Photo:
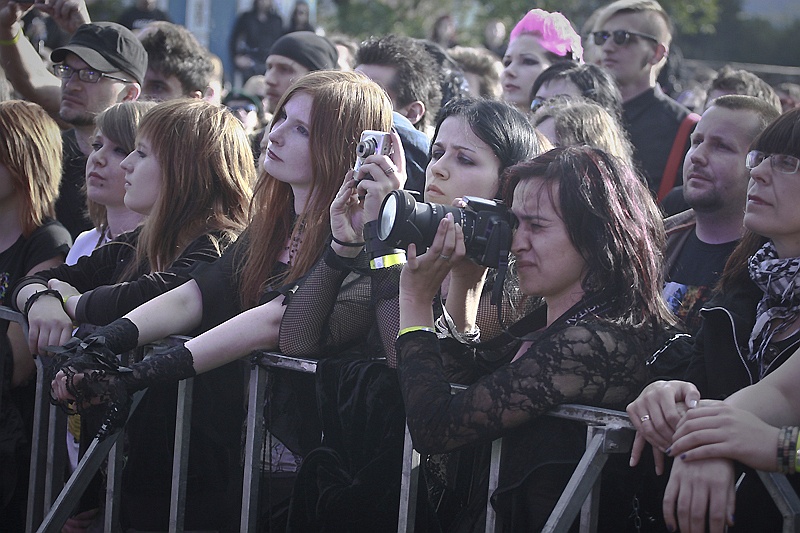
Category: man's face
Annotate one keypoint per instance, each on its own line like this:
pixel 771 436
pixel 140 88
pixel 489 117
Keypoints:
pixel 281 73
pixel 161 87
pixel 382 75
pixel 714 173
pixel 81 102
pixel 629 63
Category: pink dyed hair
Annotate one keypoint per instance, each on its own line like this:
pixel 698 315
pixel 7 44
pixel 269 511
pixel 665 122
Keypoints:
pixel 555 32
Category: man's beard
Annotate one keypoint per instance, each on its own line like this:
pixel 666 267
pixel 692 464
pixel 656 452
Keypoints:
pixel 706 201
pixel 77 118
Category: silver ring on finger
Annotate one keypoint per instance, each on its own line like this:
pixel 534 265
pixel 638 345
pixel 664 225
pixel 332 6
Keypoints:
pixel 445 257
pixel 388 171
pixel 644 418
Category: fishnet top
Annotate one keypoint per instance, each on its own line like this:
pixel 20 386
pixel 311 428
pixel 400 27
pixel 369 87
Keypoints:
pixel 582 358
pixel 342 302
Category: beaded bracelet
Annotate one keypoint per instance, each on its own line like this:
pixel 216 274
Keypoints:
pixel 786 455
pixel 797 456
pixel 414 328
pixel 38 294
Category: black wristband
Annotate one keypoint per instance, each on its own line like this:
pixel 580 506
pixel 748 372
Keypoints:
pixel 347 244
pixel 375 246
pixel 38 294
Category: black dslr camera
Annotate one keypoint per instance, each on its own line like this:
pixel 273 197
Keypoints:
pixel 487 225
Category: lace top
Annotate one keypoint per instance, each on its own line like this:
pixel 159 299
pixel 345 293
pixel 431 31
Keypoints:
pixel 582 358
pixel 343 302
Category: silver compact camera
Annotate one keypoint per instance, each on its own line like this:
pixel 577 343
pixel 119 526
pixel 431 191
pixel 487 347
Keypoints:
pixel 372 142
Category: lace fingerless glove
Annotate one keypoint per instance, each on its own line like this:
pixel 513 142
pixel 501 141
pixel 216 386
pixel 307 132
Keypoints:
pixel 164 366
pixel 120 336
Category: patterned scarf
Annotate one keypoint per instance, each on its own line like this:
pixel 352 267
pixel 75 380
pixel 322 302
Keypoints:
pixel 780 305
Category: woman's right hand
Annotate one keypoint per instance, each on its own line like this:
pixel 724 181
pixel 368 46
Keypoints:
pixel 655 414
pixel 378 176
pixel 48 325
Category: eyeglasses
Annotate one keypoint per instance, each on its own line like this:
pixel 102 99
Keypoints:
pixel 785 164
pixel 620 37
pixel 87 75
pixel 537 103
pixel 247 108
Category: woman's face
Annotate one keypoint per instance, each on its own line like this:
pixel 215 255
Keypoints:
pixel 771 210
pixel 461 165
pixel 548 263
pixel 143 178
pixel 525 59
pixel 105 178
pixel 288 154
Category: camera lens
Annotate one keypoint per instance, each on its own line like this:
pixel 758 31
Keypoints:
pixel 366 148
pixel 403 220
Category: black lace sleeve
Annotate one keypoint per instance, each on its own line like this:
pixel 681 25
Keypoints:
pixel 594 363
pixel 329 309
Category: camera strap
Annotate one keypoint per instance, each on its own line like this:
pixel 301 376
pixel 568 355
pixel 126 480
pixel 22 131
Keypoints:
pixel 502 269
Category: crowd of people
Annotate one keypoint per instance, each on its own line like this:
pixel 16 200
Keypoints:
pixel 537 220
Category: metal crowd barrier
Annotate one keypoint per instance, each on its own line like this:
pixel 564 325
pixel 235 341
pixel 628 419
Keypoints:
pixel 49 506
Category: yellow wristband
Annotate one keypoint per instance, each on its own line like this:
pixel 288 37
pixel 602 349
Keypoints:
pixel 386 261
pixel 11 42
pixel 414 328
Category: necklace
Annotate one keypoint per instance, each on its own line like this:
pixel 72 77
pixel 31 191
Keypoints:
pixel 294 242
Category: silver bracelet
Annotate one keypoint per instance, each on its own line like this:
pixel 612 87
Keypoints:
pixel 446 328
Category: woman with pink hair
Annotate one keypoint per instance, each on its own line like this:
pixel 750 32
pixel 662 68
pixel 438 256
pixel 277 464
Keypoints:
pixel 537 41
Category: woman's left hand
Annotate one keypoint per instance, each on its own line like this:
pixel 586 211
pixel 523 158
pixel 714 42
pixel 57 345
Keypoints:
pixel 716 429
pixel 423 275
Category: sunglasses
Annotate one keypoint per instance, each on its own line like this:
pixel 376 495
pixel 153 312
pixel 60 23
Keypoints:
pixel 785 164
pixel 620 37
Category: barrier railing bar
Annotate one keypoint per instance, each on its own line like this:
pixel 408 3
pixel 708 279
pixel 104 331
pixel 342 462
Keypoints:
pixel 57 454
pixel 252 458
pixel 38 474
pixel 785 498
pixel 494 481
pixel 80 478
pixel 409 486
pixel 180 461
pixel 607 432
pixel 113 487
pixel 575 493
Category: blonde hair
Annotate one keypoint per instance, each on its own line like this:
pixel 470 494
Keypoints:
pixel 118 123
pixel 579 121
pixel 344 105
pixel 207 171
pixel 30 148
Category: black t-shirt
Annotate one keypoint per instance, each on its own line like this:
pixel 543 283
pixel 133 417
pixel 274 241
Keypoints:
pixel 688 286
pixel 46 242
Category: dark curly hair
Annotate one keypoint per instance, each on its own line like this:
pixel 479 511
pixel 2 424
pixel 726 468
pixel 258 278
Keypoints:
pixel 613 222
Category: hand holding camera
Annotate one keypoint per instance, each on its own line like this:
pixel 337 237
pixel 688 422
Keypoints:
pixel 374 176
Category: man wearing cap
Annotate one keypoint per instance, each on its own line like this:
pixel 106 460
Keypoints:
pixel 103 63
pixel 294 55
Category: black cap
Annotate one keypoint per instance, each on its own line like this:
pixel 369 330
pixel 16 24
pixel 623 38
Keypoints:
pixel 107 47
pixel 309 49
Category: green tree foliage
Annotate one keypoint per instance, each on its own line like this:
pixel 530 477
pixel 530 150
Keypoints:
pixel 361 18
